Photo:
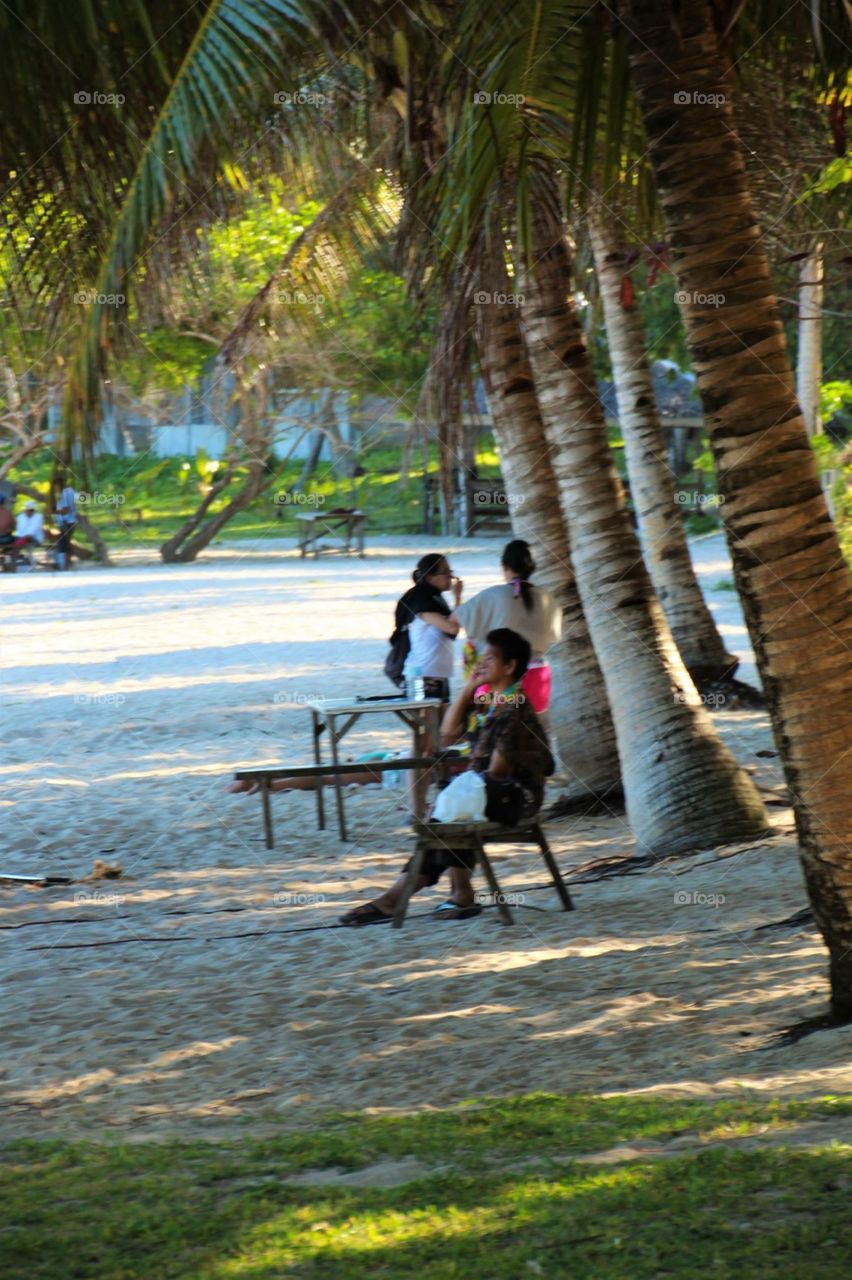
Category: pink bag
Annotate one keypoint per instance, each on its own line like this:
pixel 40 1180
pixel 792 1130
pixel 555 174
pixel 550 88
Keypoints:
pixel 535 684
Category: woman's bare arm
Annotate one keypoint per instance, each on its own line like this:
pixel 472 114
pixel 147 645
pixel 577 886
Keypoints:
pixel 450 626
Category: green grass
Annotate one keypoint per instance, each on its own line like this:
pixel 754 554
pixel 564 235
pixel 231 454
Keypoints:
pixel 509 1201
pixel 166 492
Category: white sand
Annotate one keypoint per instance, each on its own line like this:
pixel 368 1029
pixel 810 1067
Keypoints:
pixel 183 997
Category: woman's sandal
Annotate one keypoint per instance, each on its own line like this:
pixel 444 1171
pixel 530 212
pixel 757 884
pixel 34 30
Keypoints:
pixel 452 911
pixel 368 914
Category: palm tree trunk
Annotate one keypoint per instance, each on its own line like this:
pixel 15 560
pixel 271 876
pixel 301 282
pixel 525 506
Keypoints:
pixel 186 544
pixel 683 789
pixel 791 575
pixel 653 485
pixel 579 713
pixel 809 356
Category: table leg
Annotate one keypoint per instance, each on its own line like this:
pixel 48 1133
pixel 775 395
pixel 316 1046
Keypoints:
pixel 338 789
pixel 318 728
pixel 267 813
pixel 418 799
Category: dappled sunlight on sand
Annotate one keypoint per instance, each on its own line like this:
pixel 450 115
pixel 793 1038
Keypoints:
pixel 206 986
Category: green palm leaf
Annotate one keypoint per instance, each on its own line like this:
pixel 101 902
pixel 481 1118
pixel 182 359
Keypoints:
pixel 230 72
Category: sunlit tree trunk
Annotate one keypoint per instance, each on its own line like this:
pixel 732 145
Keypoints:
pixel 791 575
pixel 653 485
pixel 809 359
pixel 683 789
pixel 580 715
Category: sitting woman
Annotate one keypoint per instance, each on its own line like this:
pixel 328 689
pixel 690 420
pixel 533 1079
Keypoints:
pixel 509 749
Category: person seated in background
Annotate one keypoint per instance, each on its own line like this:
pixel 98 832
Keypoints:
pixel 29 531
pixel 509 749
pixel 7 524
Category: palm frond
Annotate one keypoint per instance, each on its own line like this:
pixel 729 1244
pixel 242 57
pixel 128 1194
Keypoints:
pixel 232 67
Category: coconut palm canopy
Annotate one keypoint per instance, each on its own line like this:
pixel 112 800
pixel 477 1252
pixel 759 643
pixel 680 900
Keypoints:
pixel 136 135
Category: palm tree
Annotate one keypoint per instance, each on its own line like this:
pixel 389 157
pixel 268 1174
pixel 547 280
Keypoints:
pixel 682 786
pixel 582 723
pixel 652 482
pixel 790 572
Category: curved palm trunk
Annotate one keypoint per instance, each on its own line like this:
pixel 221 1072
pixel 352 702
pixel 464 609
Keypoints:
pixel 683 789
pixel 792 579
pixel 580 715
pixel 197 533
pixel 652 482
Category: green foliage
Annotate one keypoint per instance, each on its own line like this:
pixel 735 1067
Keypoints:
pixel 511 1197
pixel 835 401
pixel 163 360
pixel 835 174
pixel 384 341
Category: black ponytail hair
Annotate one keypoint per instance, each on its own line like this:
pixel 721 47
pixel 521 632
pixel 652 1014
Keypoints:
pixel 427 565
pixel 517 557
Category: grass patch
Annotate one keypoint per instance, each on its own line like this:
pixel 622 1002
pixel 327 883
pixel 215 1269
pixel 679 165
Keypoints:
pixel 509 1202
pixel 165 492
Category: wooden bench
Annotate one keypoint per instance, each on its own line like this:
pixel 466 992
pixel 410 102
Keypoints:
pixel 264 777
pixel 475 835
pixel 39 556
pixel 342 523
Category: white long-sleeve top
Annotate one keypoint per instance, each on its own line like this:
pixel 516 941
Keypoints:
pixel 30 525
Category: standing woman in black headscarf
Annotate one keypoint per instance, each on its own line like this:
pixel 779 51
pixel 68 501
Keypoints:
pixel 431 628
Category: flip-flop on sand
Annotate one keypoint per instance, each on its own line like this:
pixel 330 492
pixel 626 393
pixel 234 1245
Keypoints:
pixel 368 914
pixel 452 911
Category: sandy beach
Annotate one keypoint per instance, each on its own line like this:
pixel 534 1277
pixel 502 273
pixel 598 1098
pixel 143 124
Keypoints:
pixel 201 992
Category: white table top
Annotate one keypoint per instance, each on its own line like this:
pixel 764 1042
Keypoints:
pixel 345 706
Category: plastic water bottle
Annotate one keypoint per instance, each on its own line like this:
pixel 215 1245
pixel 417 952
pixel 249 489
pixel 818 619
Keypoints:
pixel 415 685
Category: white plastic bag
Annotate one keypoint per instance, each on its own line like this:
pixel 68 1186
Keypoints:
pixel 463 800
